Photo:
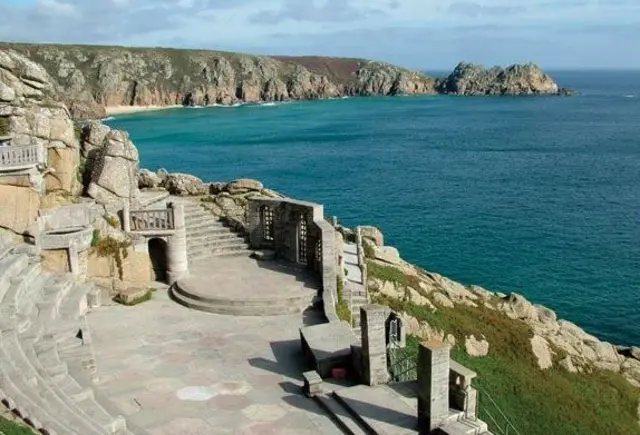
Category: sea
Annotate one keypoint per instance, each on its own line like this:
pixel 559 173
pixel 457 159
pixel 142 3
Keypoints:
pixel 534 195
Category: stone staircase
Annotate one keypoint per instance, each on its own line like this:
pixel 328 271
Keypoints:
pixel 46 358
pixel 209 237
pixel 362 410
pixel 355 292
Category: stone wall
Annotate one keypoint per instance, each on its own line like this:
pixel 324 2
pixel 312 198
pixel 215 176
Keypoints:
pixel 285 241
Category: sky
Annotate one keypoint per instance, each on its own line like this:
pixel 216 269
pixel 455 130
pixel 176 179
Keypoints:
pixel 421 34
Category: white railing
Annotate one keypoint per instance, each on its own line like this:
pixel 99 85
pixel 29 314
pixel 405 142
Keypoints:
pixel 19 156
pixel 152 220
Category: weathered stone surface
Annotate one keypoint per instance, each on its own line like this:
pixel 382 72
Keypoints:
pixel 373 234
pixel 114 177
pixel 136 270
pixel 442 300
pixel 540 348
pixel 243 185
pixel 18 208
pixel 517 307
pixel 56 261
pixel 476 347
pixel 388 254
pixel 635 352
pixel 568 365
pixel 148 179
pixel 64 176
pixel 184 185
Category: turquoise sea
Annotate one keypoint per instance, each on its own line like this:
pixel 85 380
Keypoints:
pixel 535 195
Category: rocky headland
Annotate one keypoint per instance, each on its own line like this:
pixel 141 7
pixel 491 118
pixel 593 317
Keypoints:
pixel 90 79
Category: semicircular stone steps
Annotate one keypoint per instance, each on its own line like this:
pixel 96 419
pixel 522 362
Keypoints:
pixel 268 306
pixel 44 345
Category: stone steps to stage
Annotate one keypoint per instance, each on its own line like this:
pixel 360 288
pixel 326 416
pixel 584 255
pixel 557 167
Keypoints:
pixel 208 237
pixel 271 306
pixel 340 415
pixel 42 318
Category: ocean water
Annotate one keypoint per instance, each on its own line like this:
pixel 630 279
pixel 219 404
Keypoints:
pixel 539 196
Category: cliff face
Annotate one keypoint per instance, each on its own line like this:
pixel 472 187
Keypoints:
pixel 91 78
pixel 527 79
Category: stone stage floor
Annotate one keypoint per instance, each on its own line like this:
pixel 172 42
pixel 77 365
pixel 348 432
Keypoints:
pixel 172 370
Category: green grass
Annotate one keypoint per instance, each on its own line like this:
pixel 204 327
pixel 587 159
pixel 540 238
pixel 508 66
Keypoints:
pixel 10 428
pixel 537 402
pixel 342 308
pixel 390 273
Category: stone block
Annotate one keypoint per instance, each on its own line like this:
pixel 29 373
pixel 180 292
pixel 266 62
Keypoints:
pixel 373 319
pixel 312 383
pixel 433 385
pixel 18 208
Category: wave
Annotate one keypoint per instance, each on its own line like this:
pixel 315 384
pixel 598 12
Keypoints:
pixel 108 118
pixel 629 96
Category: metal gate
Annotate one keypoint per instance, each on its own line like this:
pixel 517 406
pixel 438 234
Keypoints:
pixel 403 362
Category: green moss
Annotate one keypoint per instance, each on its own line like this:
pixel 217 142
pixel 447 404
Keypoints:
pixel 342 308
pixel 144 298
pixel 116 249
pixel 113 221
pixel 95 239
pixel 5 128
pixel 369 250
pixel 10 428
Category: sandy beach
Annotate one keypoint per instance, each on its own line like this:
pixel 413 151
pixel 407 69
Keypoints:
pixel 120 110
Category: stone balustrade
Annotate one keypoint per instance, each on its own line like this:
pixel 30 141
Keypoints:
pixel 150 220
pixel 19 157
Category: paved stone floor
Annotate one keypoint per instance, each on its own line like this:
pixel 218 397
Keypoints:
pixel 245 278
pixel 176 371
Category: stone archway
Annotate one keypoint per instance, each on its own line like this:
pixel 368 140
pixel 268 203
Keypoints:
pixel 158 256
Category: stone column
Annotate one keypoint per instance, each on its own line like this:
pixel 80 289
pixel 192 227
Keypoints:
pixel 254 224
pixel 177 261
pixel 126 218
pixel 374 344
pixel 433 385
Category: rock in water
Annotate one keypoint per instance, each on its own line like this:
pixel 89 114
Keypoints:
pixel 470 79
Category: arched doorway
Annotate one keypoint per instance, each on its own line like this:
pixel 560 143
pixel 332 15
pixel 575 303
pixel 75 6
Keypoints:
pixel 158 255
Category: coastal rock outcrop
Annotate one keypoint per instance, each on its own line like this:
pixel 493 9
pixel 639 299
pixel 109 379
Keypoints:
pixel 184 185
pixel 470 79
pixel 114 171
pixel 90 78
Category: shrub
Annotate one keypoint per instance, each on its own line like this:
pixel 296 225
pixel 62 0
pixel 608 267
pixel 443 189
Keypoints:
pixel 144 298
pixel 342 308
pixel 110 247
pixel 369 250
pixel 95 238
pixel 392 274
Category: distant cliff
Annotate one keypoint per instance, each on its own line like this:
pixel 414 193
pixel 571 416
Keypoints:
pixel 90 78
pixel 526 79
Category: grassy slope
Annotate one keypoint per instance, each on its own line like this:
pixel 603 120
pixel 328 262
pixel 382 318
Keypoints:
pixel 538 402
pixel 9 428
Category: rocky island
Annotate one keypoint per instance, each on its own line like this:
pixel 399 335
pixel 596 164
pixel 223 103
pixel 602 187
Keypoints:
pixel 90 79
pixel 81 224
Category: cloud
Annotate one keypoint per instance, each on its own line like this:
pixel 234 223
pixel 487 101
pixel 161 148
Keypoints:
pixel 427 33
pixel 314 11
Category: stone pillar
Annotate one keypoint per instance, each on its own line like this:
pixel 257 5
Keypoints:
pixel 126 219
pixel 433 385
pixel 177 261
pixel 374 344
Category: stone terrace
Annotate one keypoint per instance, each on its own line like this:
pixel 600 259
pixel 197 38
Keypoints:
pixel 177 371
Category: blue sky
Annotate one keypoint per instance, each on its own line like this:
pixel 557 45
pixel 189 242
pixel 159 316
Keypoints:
pixel 425 34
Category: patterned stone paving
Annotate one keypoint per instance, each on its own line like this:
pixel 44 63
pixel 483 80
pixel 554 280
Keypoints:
pixel 173 371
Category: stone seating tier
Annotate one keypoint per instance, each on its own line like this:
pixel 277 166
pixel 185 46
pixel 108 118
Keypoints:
pixel 41 317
